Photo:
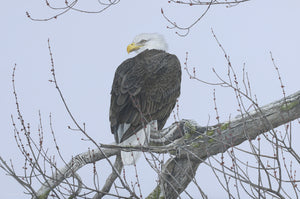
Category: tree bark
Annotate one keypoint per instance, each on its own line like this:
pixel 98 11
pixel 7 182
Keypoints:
pixel 190 144
pixel 199 143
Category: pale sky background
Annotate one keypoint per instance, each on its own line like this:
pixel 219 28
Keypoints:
pixel 87 48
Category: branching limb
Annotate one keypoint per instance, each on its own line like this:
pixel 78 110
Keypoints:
pixel 186 29
pixel 195 144
pixel 70 169
pixel 71 6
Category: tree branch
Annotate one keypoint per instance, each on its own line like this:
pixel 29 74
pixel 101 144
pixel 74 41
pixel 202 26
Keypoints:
pixel 190 144
pixel 70 169
pixel 197 145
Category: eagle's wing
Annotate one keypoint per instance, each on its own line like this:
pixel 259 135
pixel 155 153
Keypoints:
pixel 145 88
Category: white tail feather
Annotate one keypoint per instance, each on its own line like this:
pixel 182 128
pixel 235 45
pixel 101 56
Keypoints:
pixel 140 138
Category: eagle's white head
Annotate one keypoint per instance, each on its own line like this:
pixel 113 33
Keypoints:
pixel 147 41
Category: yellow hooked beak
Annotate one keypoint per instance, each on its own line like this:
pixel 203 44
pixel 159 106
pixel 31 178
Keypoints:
pixel 132 47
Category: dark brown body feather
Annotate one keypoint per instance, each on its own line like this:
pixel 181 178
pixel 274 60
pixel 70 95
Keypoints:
pixel 145 88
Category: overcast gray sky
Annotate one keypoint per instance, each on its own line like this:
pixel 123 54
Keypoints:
pixel 87 48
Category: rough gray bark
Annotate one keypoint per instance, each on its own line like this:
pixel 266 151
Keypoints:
pixel 190 144
pixel 70 169
pixel 197 144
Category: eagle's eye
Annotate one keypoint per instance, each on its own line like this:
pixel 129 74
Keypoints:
pixel 143 41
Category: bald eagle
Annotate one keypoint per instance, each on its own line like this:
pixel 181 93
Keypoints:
pixel 144 92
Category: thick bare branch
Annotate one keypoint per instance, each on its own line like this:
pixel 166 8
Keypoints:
pixel 191 144
pixel 197 145
pixel 70 169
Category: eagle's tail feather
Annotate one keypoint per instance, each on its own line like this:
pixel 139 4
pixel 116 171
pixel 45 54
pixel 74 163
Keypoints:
pixel 141 138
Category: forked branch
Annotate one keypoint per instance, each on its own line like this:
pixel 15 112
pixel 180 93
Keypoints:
pixel 190 144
